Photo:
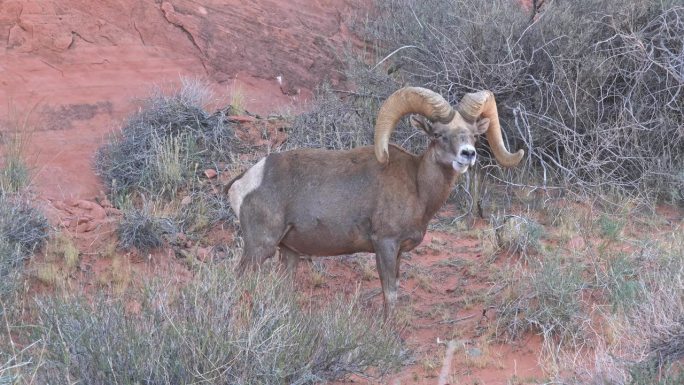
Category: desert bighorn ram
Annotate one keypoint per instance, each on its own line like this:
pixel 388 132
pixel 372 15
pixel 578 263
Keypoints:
pixel 368 199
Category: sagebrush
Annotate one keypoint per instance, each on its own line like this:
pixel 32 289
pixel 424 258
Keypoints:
pixel 166 145
pixel 158 160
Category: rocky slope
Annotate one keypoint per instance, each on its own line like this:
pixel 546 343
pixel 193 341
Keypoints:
pixel 75 67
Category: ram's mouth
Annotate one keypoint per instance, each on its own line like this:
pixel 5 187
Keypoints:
pixel 460 167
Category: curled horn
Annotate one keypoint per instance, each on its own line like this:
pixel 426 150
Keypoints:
pixel 476 105
pixel 408 100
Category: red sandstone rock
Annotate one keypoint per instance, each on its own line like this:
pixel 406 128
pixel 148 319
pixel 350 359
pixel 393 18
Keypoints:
pixel 79 66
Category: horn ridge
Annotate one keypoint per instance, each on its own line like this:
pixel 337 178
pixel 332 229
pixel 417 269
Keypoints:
pixel 483 104
pixel 407 100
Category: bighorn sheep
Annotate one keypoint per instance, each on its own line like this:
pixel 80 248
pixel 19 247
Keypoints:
pixel 368 199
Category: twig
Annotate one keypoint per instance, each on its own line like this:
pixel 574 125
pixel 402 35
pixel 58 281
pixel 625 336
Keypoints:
pixel 450 321
pixel 393 52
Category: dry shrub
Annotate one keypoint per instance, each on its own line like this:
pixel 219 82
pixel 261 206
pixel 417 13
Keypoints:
pixel 591 89
pixel 217 330
pixel 164 146
pixel 341 120
pixel 158 158
pixel 23 229
pixel 331 123
pixel 544 298
pixel 144 228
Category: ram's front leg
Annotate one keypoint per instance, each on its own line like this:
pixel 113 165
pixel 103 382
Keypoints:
pixel 387 259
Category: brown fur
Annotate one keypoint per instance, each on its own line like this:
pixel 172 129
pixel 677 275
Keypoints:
pixel 319 202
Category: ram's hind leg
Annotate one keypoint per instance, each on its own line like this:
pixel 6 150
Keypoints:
pixel 262 231
pixel 290 259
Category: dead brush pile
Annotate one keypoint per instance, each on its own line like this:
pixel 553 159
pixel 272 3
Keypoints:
pixel 591 89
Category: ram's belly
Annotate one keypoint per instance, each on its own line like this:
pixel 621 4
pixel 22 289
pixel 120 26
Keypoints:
pixel 318 236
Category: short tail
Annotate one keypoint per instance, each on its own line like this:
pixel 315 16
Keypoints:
pixel 226 188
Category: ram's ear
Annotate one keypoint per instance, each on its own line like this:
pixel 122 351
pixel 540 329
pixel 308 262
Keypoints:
pixel 482 126
pixel 422 123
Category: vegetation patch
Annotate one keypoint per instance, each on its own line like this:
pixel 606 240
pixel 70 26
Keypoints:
pixel 590 89
pixel 216 330
pixel 546 298
pixel 154 168
pixel 144 229
pixel 166 145
pixel 23 229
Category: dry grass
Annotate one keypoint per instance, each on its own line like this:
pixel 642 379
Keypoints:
pixel 23 230
pixel 216 330
pixel 15 137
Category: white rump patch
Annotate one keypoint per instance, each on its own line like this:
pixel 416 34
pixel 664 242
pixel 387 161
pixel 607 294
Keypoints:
pixel 245 185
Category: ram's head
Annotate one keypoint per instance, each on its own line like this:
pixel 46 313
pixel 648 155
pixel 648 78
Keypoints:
pixel 453 130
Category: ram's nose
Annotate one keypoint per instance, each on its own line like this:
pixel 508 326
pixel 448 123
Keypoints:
pixel 467 154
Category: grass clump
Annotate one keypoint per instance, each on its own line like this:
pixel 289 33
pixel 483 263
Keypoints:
pixel 645 342
pixel 217 330
pixel 15 174
pixel 610 228
pixel 144 229
pixel 618 278
pixel 544 298
pixel 158 159
pixel 23 229
pixel 162 148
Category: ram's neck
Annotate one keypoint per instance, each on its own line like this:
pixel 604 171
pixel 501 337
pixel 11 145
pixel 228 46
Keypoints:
pixel 434 183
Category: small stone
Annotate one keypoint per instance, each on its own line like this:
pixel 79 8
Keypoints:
pixel 210 173
pixel 98 212
pixel 186 200
pixel 59 205
pixel 103 200
pixel 83 219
